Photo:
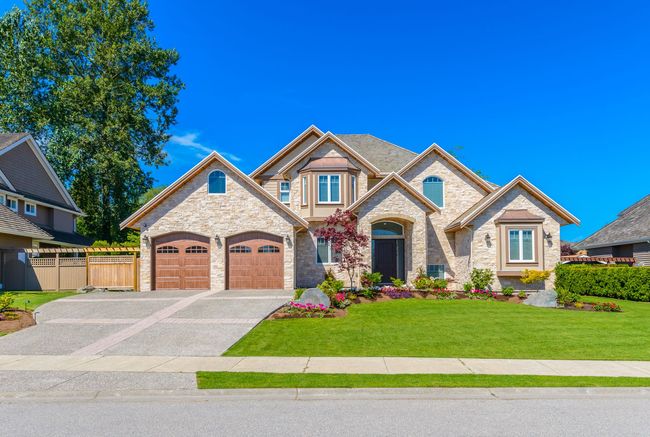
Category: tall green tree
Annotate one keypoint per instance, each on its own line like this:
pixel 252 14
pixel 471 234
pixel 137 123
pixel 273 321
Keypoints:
pixel 87 79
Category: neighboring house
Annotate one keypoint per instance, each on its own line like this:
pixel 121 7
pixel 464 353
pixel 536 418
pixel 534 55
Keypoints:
pixel 35 208
pixel 218 228
pixel 627 236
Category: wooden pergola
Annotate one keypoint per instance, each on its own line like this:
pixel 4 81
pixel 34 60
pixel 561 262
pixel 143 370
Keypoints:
pixel 90 250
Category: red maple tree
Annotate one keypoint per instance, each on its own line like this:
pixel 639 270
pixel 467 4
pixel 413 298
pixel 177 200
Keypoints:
pixel 347 242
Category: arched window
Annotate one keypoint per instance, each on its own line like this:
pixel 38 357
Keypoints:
pixel 217 182
pixel 196 249
pixel 167 249
pixel 387 229
pixel 240 249
pixel 268 249
pixel 434 189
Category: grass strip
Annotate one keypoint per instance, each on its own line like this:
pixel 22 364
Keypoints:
pixel 235 380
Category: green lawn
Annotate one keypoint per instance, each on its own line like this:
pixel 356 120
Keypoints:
pixel 33 299
pixel 461 328
pixel 221 380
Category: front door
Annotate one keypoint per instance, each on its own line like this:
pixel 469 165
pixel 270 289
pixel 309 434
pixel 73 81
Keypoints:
pixel 388 258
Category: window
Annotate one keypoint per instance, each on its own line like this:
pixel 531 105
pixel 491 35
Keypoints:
pixel 12 204
pixel 387 229
pixel 285 188
pixel 436 271
pixel 217 182
pixel 304 190
pixel 520 243
pixel 30 208
pixel 3 201
pixel 268 249
pixel 353 189
pixel 167 249
pixel 324 251
pixel 240 249
pixel 329 188
pixel 196 249
pixel 433 189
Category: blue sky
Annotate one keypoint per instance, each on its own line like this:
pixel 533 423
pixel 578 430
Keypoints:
pixel 556 91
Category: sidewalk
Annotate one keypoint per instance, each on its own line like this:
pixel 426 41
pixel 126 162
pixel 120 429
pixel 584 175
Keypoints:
pixel 376 365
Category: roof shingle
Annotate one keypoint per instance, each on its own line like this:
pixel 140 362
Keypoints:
pixel 13 224
pixel 387 157
pixel 7 139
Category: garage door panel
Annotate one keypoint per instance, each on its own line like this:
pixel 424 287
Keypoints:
pixel 182 261
pixel 255 261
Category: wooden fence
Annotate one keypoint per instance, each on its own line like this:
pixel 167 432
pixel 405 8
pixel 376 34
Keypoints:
pixel 21 272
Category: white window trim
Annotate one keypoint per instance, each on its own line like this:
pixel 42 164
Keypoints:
pixel 330 258
pixel 353 189
pixel 225 185
pixel 288 191
pixel 521 246
pixel 329 190
pixel 9 199
pixel 304 186
pixel 33 214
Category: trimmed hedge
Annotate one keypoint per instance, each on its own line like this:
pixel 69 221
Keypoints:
pixel 620 282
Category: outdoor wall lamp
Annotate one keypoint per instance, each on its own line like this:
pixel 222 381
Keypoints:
pixel 146 240
pixel 547 236
pixel 488 239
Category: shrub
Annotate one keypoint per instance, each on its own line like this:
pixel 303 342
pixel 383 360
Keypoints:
pixel 521 295
pixel 467 287
pixel 608 307
pixel 423 283
pixel 622 282
pixel 565 297
pixel 482 294
pixel 6 301
pixel 331 286
pixel 297 294
pixel 579 305
pixel 340 301
pixel 439 283
pixel 443 294
pixel 508 291
pixel 368 293
pixel 533 276
pixel 481 278
pixel 369 279
pixel 397 282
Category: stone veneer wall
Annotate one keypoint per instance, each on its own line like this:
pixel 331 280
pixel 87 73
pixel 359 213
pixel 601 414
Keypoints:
pixel 241 209
pixel 460 193
pixel 485 256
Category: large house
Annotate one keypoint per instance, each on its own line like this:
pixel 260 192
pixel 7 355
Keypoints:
pixel 219 228
pixel 627 236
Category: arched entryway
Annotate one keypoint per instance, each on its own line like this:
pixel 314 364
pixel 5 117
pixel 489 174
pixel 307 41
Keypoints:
pixel 181 261
pixel 255 260
pixel 388 249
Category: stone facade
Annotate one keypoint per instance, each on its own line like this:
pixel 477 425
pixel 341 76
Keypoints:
pixel 192 209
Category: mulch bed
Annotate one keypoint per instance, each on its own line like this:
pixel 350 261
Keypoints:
pixel 15 320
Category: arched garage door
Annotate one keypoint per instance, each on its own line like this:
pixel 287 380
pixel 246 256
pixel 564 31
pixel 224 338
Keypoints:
pixel 255 260
pixel 181 262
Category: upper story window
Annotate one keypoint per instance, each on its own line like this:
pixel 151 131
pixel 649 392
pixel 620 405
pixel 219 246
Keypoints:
pixel 304 190
pixel 30 208
pixel 521 245
pixel 329 188
pixel 285 190
pixel 217 182
pixel 353 188
pixel 434 189
pixel 3 200
pixel 12 204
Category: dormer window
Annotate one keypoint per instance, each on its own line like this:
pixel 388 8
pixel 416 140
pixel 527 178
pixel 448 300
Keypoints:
pixel 329 188
pixel 285 192
pixel 433 189
pixel 12 204
pixel 30 209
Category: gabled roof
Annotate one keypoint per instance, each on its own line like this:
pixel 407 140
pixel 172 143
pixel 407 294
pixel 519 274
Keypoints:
pixel 480 206
pixel 394 177
pixel 384 155
pixel 329 136
pixel 214 156
pixel 631 226
pixel 311 130
pixel 8 141
pixel 434 148
pixel 13 224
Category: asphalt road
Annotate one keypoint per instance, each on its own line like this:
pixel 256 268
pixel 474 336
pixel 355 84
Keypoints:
pixel 531 414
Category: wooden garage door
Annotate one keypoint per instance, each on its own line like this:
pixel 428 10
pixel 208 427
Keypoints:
pixel 255 260
pixel 182 262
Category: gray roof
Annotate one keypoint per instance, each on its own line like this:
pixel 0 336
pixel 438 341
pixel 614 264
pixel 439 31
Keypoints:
pixel 631 226
pixel 7 139
pixel 13 224
pixel 386 156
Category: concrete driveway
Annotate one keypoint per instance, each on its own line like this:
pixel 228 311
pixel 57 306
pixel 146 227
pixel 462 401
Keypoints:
pixel 158 323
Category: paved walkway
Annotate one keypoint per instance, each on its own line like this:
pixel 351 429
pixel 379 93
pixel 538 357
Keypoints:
pixel 159 323
pixel 376 365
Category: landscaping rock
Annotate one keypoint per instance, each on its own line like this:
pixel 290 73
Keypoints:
pixel 544 299
pixel 314 296
pixel 86 289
